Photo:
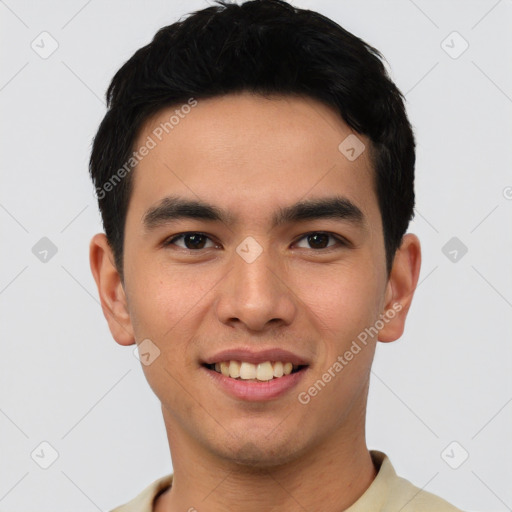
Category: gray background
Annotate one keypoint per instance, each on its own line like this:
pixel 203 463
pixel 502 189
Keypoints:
pixel 65 381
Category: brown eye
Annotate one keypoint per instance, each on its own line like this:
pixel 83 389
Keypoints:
pixel 320 240
pixel 191 241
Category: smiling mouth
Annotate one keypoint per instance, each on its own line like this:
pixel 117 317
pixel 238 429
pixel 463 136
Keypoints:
pixel 261 372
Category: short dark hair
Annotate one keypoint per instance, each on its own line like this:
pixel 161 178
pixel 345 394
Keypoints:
pixel 265 47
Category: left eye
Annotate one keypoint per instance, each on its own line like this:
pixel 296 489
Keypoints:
pixel 320 240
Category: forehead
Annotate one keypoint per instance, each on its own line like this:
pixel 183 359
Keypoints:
pixel 251 153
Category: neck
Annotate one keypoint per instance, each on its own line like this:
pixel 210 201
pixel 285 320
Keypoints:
pixel 329 478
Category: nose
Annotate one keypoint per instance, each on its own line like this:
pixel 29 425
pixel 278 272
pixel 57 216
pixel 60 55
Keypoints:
pixel 255 294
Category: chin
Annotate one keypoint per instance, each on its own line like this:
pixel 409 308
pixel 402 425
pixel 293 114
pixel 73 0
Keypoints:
pixel 260 452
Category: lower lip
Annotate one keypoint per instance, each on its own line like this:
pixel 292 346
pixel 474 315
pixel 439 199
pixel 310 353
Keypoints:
pixel 256 391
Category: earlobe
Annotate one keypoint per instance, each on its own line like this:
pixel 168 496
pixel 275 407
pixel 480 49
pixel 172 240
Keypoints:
pixel 401 286
pixel 110 289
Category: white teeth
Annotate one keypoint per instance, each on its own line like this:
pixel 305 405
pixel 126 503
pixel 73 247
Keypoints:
pixel 265 371
pixel 224 368
pixel 234 369
pixel 278 369
pixel 247 371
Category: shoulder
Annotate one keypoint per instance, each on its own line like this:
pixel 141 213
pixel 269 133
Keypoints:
pixel 143 502
pixel 404 496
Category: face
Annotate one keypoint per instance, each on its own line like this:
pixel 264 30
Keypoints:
pixel 279 260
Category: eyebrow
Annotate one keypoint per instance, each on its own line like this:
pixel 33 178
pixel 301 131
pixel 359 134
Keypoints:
pixel 173 208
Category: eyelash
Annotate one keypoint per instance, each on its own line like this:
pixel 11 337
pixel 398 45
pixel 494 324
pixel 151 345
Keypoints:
pixel 340 241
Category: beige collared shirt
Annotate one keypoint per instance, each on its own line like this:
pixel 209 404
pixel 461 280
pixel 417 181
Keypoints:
pixel 387 493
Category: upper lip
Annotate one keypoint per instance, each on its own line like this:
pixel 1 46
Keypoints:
pixel 255 357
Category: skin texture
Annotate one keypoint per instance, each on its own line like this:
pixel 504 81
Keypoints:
pixel 251 155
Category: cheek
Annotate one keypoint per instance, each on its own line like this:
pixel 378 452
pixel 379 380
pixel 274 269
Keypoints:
pixel 165 307
pixel 165 299
pixel 343 300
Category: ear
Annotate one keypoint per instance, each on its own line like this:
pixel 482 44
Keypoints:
pixel 400 289
pixel 111 290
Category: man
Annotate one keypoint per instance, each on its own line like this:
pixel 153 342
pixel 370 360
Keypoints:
pixel 255 175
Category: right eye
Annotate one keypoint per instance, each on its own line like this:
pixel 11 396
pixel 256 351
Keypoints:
pixel 192 241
